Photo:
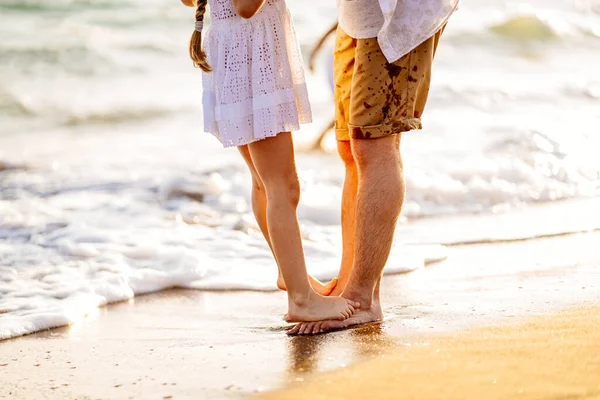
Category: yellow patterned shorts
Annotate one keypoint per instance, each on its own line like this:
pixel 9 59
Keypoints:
pixel 375 98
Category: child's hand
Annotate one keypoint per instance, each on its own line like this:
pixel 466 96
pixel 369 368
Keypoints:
pixel 189 3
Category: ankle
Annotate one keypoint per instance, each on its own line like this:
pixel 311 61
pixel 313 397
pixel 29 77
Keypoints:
pixel 300 299
pixel 361 295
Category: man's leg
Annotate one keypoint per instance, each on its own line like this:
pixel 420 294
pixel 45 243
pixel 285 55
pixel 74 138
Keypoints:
pixel 382 101
pixel 374 186
pixel 349 193
pixel 378 206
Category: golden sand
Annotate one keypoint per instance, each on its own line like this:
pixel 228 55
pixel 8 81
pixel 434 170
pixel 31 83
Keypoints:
pixel 550 357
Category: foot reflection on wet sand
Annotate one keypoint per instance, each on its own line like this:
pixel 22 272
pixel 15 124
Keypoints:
pixel 308 354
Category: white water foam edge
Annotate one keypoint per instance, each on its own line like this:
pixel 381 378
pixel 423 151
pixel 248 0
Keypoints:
pixel 102 273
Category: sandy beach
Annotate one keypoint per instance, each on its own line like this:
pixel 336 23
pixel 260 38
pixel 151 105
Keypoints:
pixel 213 345
pixel 551 357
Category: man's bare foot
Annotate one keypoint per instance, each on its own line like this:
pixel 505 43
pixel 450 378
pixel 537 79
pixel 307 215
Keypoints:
pixel 324 289
pixel 362 316
pixel 317 308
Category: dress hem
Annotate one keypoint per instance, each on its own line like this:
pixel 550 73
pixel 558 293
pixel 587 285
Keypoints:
pixel 228 145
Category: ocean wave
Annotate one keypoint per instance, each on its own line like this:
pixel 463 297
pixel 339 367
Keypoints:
pixel 513 169
pixel 74 59
pixel 9 166
pixel 58 116
pixel 526 27
pixel 117 116
pixel 589 91
pixel 92 105
pixel 60 5
pixel 12 105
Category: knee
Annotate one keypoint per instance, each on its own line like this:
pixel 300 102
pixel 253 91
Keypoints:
pixel 292 191
pixel 284 190
pixel 345 151
pixel 365 156
pixel 376 153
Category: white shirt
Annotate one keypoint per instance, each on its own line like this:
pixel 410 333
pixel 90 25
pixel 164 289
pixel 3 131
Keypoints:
pixel 398 25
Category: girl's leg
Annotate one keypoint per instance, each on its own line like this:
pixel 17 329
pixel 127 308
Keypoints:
pixel 259 197
pixel 259 207
pixel 273 159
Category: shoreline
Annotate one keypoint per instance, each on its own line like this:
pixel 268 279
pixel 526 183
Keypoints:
pixel 215 345
pixel 435 239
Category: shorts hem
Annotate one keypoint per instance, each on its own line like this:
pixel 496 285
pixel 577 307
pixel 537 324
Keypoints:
pixel 378 131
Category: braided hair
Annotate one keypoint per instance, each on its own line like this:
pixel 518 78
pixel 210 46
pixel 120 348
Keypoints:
pixel 197 55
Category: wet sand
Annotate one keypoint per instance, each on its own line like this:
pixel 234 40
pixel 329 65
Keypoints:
pixel 216 345
pixel 552 357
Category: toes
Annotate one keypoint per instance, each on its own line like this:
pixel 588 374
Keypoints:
pixel 332 325
pixel 319 328
pixel 306 327
pixel 316 327
pixel 301 327
pixel 294 331
pixel 321 324
pixel 311 327
pixel 353 304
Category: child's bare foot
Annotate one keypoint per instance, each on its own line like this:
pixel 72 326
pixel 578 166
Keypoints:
pixel 317 308
pixel 321 288
pixel 324 289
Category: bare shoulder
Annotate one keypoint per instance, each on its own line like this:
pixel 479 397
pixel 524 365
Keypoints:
pixel 189 3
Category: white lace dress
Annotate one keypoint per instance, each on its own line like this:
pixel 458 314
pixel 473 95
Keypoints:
pixel 257 87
